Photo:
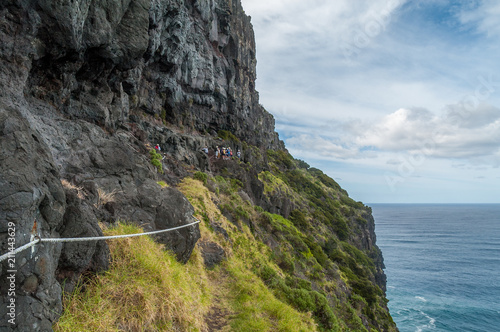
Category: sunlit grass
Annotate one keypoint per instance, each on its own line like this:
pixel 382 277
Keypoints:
pixel 253 305
pixel 257 308
pixel 145 289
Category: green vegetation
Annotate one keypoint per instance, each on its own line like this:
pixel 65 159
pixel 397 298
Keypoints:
pixel 162 184
pixel 306 269
pixel 255 306
pixel 228 136
pixel 156 160
pixel 201 177
pixel 163 114
pixel 145 289
pixel 315 241
pixel 258 309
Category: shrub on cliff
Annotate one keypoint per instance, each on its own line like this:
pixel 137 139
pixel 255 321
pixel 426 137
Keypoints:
pixel 226 135
pixel 156 160
pixel 201 177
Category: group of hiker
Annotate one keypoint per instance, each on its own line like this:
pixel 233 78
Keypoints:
pixel 224 153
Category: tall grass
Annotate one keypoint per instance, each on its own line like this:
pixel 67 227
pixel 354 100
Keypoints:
pixel 253 305
pixel 257 309
pixel 145 289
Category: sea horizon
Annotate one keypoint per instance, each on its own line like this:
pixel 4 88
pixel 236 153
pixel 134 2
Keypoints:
pixel 399 203
pixel 452 203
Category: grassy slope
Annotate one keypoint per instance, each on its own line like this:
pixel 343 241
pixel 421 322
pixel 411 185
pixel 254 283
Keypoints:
pixel 304 273
pixel 147 290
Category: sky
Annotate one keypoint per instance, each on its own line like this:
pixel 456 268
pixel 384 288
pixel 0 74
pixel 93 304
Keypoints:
pixel 398 101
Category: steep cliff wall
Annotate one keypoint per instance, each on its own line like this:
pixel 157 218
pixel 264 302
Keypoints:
pixel 87 88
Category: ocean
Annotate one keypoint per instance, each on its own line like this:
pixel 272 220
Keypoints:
pixel 442 265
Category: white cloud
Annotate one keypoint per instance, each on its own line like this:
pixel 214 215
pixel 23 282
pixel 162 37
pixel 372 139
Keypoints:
pixel 320 147
pixel 312 26
pixel 414 81
pixel 484 16
pixel 413 131
pixel 463 117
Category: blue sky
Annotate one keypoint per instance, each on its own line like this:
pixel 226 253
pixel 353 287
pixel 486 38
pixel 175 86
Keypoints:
pixel 398 101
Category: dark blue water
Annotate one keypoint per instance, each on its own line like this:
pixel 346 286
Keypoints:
pixel 442 265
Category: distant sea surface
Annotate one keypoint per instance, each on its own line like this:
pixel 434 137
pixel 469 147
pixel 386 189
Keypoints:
pixel 442 265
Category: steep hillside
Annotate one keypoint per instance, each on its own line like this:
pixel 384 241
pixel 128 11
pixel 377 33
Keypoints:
pixel 89 87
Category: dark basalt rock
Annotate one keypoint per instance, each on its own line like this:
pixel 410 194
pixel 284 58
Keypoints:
pixel 213 254
pixel 79 257
pixel 173 211
pixel 30 190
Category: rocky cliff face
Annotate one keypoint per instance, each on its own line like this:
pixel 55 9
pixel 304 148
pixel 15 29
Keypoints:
pixel 87 87
pixel 192 63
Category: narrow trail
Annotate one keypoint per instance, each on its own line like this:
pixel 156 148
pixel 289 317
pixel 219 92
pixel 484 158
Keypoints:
pixel 220 314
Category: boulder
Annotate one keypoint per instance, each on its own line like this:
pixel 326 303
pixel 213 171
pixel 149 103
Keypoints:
pixel 212 253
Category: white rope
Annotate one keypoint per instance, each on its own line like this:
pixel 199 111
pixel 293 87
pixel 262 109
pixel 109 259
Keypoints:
pixel 85 239
pixel 12 253
pixel 97 238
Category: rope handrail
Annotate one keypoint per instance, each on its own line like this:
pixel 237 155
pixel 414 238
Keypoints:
pixel 85 239
pixel 21 248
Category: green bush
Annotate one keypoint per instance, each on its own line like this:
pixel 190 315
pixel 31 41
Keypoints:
pixel 242 213
pixel 316 250
pixel 358 256
pixel 366 289
pixel 316 272
pixel 227 135
pixel 295 282
pixel 337 256
pixel 297 292
pixel 298 219
pixel 268 275
pixel 341 229
pixel 302 164
pixel 228 185
pixel 325 179
pixel 301 299
pixel 285 262
pixel 201 177
pixel 323 313
pixel 297 242
pixel 352 203
pixel 281 158
pixel 156 160
pixel 236 184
